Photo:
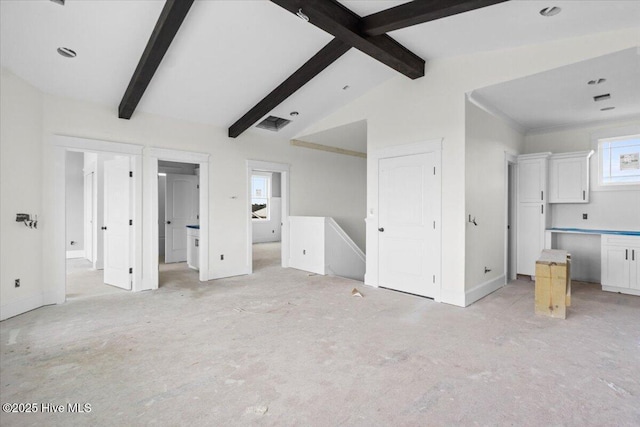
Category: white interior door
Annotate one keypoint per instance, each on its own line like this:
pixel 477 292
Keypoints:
pixel 181 209
pixel 409 212
pixel 89 219
pixel 117 228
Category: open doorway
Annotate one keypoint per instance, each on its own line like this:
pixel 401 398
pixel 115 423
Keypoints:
pixel 267 215
pixel 510 215
pixel 266 219
pixel 178 221
pixel 97 224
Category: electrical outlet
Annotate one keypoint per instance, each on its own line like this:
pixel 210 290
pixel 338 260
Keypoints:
pixel 222 257
pixel 17 283
pixel 584 216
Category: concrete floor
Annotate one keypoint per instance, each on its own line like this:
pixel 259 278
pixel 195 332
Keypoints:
pixel 283 347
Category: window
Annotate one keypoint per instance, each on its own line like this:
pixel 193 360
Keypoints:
pixel 619 160
pixel 260 196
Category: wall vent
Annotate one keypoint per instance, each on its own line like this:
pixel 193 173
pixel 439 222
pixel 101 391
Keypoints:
pixel 273 123
pixel 602 97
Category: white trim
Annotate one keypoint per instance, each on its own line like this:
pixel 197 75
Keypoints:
pixel 73 143
pixel 75 254
pixel 177 155
pixel 20 305
pixel 262 166
pixel 152 251
pixel 372 274
pixel 482 290
pixel 55 288
pixel 629 291
pixel 509 158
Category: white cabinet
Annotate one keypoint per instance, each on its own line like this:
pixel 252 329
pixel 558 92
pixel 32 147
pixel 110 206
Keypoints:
pixel 621 264
pixel 569 177
pixel 193 248
pixel 532 210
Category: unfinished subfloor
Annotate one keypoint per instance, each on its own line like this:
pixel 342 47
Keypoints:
pixel 283 347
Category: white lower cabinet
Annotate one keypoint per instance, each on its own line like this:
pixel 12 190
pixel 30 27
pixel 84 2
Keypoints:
pixel 193 251
pixel 621 264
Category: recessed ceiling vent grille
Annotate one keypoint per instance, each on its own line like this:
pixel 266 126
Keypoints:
pixel 273 123
pixel 602 97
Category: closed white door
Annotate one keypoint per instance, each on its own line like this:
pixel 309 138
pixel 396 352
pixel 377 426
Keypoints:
pixel 409 224
pixel 181 209
pixel 89 219
pixel 117 228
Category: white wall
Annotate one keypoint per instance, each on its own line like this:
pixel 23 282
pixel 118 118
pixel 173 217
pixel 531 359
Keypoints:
pixel 162 191
pixel 402 111
pixel 322 183
pixel 269 231
pixel 612 210
pixel 20 192
pixel 74 182
pixel 487 140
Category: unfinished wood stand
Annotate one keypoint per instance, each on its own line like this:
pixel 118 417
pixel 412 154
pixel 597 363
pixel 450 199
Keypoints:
pixel 553 283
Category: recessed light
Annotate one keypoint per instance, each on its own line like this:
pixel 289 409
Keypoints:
pixel 294 113
pixel 607 108
pixel 596 82
pixel 66 52
pixel 550 11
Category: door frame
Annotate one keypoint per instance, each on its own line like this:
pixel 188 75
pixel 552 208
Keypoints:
pixel 283 168
pixel 372 274
pixel 510 159
pixel 152 251
pixel 56 292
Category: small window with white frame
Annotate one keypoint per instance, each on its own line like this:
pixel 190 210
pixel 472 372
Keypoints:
pixel 260 196
pixel 619 161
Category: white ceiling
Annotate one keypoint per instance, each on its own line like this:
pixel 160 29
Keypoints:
pixel 352 136
pixel 230 54
pixel 563 97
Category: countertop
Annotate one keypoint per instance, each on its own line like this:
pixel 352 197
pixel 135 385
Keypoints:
pixel 590 231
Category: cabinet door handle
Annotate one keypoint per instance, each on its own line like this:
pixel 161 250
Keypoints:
pixel 633 254
pixel 584 196
pixel 542 195
pixel 626 254
pixel 542 209
pixel 197 243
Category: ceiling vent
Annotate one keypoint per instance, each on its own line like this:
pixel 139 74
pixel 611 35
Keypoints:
pixel 273 123
pixel 602 97
pixel 60 2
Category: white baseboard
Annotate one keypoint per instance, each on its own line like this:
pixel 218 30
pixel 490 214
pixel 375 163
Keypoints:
pixel 482 290
pixel 629 291
pixel 20 305
pixel 456 298
pixel 224 273
pixel 75 254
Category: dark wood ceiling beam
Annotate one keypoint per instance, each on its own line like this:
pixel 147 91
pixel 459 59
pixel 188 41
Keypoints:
pixel 169 22
pixel 321 60
pixel 343 24
pixel 418 12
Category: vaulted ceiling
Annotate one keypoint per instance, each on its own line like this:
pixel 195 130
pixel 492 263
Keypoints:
pixel 228 55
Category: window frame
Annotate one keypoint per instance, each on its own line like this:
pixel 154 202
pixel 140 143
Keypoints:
pixel 607 135
pixel 267 176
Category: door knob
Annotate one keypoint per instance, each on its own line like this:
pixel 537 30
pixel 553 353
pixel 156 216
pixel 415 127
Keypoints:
pixel 168 222
pixel 103 228
pixel 381 229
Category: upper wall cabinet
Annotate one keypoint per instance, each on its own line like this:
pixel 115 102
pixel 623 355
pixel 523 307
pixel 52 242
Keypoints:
pixel 569 177
pixel 532 178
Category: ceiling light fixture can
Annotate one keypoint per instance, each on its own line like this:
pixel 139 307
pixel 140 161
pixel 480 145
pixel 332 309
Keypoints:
pixel 550 11
pixel 607 108
pixel 60 2
pixel 66 52
pixel 293 113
